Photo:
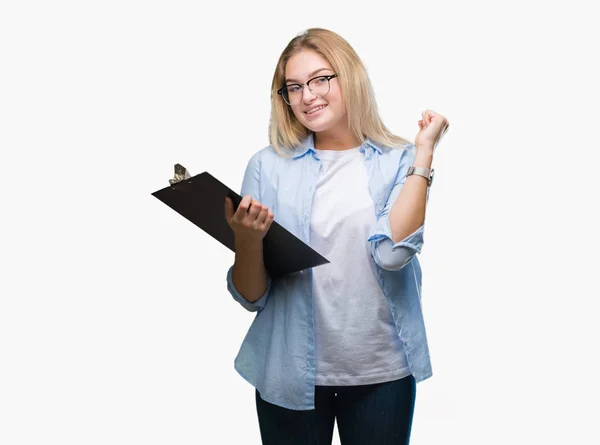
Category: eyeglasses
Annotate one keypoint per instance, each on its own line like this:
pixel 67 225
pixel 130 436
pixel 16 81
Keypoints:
pixel 319 86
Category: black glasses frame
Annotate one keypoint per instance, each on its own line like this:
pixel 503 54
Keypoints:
pixel 301 85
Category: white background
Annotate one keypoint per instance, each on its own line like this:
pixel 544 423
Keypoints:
pixel 115 323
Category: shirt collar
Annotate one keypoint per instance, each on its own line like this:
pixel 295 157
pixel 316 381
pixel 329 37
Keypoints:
pixel 308 144
pixel 305 146
pixel 375 146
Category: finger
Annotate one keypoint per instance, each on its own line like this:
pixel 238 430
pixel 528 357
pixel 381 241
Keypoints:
pixel 428 117
pixel 245 203
pixel 255 209
pixel 260 218
pixel 242 209
pixel 268 221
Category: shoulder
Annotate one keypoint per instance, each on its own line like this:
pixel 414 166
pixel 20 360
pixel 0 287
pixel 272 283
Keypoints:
pixel 386 148
pixel 402 150
pixel 265 154
pixel 405 152
pixel 268 158
pixel 262 156
pixel 393 162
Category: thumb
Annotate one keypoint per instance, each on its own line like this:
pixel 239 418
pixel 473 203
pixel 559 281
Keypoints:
pixel 228 208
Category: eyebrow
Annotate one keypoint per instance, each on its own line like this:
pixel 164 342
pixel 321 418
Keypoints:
pixel 310 75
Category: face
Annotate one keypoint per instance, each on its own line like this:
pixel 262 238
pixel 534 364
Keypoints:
pixel 315 113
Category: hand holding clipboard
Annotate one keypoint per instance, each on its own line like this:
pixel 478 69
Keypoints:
pixel 200 199
pixel 250 222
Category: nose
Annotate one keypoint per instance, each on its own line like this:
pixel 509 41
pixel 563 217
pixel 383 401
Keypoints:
pixel 307 95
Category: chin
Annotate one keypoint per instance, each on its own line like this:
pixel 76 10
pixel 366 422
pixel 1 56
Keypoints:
pixel 317 127
pixel 323 124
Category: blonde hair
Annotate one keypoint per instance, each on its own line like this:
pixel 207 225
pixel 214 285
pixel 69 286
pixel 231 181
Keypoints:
pixel 286 132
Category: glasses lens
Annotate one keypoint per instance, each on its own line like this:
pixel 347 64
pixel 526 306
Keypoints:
pixel 292 94
pixel 286 97
pixel 319 86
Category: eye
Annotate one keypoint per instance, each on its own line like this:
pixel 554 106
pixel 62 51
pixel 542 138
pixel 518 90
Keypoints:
pixel 293 88
pixel 320 80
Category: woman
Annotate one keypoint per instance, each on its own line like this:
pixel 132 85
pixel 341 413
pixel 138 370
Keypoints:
pixel 345 340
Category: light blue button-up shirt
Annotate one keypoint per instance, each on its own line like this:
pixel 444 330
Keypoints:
pixel 277 355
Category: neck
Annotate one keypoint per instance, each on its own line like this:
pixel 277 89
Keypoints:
pixel 336 140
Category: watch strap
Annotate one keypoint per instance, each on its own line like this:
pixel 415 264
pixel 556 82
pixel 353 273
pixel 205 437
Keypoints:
pixel 421 171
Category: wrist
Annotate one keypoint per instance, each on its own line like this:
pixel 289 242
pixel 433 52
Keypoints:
pixel 425 146
pixel 248 245
pixel 423 158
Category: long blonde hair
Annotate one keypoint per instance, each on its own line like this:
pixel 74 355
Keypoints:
pixel 286 132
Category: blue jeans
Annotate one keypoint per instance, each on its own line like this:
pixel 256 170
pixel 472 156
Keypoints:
pixel 378 414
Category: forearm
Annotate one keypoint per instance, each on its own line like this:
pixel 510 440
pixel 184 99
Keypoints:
pixel 249 274
pixel 408 212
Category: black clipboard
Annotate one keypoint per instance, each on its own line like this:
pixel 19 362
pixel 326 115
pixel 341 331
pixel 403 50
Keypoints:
pixel 201 200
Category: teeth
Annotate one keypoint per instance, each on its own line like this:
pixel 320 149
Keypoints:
pixel 320 107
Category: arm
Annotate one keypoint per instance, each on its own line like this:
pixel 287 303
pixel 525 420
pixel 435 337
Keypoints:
pixel 398 233
pixel 408 212
pixel 400 226
pixel 249 275
pixel 248 280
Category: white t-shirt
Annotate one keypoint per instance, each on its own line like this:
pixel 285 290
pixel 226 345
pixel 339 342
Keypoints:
pixel 356 342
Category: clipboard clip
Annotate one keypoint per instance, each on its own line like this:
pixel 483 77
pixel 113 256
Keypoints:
pixel 181 174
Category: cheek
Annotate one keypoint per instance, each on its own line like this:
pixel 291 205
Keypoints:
pixel 299 114
pixel 336 101
pixel 337 106
pixel 335 94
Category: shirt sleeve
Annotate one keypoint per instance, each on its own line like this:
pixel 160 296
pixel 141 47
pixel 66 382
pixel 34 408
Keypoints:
pixel 258 305
pixel 250 186
pixel 385 253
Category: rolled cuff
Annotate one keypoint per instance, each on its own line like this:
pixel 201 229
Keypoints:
pixel 392 256
pixel 258 305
